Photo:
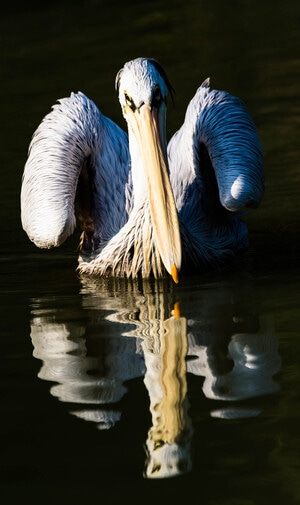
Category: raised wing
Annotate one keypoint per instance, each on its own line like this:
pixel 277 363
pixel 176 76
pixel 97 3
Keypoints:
pixel 75 154
pixel 218 145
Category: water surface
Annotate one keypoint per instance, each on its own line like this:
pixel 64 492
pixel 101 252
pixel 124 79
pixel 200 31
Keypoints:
pixel 86 367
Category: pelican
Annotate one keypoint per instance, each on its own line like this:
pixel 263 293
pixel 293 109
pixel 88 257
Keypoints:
pixel 145 206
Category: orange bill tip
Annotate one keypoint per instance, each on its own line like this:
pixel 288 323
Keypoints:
pixel 176 311
pixel 174 273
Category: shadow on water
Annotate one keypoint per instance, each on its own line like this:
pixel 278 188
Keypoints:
pixel 128 330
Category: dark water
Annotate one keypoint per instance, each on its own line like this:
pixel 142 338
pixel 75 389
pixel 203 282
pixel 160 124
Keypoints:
pixel 89 380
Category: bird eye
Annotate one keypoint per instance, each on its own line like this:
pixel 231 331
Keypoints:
pixel 156 96
pixel 129 101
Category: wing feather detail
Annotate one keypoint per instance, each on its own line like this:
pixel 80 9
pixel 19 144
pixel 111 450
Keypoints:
pixel 221 123
pixel 72 134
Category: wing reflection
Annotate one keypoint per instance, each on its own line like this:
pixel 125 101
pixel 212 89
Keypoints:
pixel 93 378
pixel 123 330
pixel 250 361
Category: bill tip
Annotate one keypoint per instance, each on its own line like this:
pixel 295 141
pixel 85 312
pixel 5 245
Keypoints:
pixel 176 311
pixel 174 273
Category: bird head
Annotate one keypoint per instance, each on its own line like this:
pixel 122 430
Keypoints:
pixel 143 88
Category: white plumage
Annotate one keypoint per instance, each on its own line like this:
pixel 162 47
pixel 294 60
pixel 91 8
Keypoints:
pixel 145 207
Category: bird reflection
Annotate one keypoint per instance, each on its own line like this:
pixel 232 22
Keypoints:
pixel 125 329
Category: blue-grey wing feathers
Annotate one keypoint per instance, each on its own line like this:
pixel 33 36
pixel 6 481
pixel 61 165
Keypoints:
pixel 221 124
pixel 72 136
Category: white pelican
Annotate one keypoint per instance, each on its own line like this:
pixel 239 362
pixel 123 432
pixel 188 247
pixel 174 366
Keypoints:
pixel 145 207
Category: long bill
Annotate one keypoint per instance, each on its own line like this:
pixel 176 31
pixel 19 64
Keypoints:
pixel 161 199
